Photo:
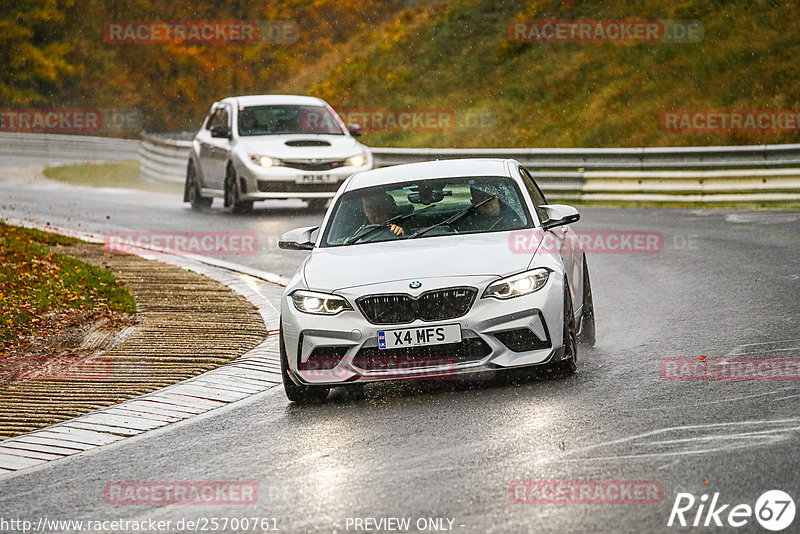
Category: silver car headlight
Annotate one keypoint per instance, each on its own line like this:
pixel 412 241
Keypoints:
pixel 319 303
pixel 358 160
pixel 518 285
pixel 266 161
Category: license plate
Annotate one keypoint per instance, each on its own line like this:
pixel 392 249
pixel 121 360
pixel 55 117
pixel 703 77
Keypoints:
pixel 317 179
pixel 417 337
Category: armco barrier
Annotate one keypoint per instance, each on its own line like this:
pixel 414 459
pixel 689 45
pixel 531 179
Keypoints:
pixel 713 157
pixel 163 159
pixel 758 173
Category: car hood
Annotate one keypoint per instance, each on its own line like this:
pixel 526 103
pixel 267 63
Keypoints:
pixel 341 146
pixel 336 268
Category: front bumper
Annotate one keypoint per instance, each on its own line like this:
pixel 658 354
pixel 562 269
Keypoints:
pixel 264 183
pixel 496 334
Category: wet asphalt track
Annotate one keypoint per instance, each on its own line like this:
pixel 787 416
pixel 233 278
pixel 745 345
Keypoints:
pixel 726 282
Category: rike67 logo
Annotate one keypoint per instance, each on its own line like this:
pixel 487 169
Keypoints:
pixel 774 510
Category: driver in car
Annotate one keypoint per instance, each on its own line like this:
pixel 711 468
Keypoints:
pixel 380 207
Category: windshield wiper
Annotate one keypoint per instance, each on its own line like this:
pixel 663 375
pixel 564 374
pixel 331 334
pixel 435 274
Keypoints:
pixel 452 219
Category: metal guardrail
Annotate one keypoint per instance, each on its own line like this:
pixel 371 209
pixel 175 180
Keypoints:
pixel 754 173
pixel 727 157
pixel 69 147
pixel 163 159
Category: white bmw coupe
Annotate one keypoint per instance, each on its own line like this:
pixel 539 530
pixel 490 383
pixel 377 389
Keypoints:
pixel 431 270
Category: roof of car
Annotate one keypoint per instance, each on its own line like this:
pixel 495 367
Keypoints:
pixel 266 100
pixel 430 169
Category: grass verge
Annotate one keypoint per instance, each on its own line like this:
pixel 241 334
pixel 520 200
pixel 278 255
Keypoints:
pixel 123 174
pixel 36 280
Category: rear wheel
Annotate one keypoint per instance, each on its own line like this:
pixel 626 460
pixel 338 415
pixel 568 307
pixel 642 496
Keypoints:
pixel 232 198
pixel 587 332
pixel 295 392
pixel 192 190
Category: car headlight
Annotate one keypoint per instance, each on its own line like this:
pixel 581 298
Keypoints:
pixel 356 161
pixel 266 161
pixel 518 285
pixel 319 303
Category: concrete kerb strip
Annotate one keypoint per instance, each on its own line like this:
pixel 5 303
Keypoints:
pixel 254 372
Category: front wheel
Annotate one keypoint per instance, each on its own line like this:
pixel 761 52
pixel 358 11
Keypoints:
pixel 569 362
pixel 295 392
pixel 232 198
pixel 587 332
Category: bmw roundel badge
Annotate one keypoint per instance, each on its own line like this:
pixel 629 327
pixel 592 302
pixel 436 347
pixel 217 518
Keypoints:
pixel 415 284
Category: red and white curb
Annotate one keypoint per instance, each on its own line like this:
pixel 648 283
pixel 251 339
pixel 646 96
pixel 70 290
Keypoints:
pixel 254 372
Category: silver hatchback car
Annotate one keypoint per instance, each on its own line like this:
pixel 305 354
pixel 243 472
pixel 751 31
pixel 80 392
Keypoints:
pixel 265 147
pixel 431 270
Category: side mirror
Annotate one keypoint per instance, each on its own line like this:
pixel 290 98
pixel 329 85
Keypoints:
pixel 355 130
pixel 221 131
pixel 559 215
pixel 298 239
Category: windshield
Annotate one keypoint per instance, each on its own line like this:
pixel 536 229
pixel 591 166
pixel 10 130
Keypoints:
pixel 276 120
pixel 427 208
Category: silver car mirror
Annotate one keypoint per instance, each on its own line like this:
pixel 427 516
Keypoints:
pixel 298 239
pixel 221 131
pixel 559 215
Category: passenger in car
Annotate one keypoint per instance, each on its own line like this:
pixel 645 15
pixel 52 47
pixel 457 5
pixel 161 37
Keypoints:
pixel 493 214
pixel 247 123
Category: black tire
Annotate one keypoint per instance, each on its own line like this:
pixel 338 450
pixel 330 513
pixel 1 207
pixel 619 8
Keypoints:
pixel 569 362
pixel 587 333
pixel 317 205
pixel 232 199
pixel 191 190
pixel 296 392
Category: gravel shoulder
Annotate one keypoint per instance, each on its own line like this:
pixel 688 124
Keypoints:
pixel 186 324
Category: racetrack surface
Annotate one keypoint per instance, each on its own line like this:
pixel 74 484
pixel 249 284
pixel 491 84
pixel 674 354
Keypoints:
pixel 724 283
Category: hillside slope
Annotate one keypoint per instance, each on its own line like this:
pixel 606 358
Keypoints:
pixel 457 57
pixel 450 63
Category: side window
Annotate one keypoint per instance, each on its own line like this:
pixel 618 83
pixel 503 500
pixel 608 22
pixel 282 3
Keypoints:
pixel 209 118
pixel 218 118
pixel 536 194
